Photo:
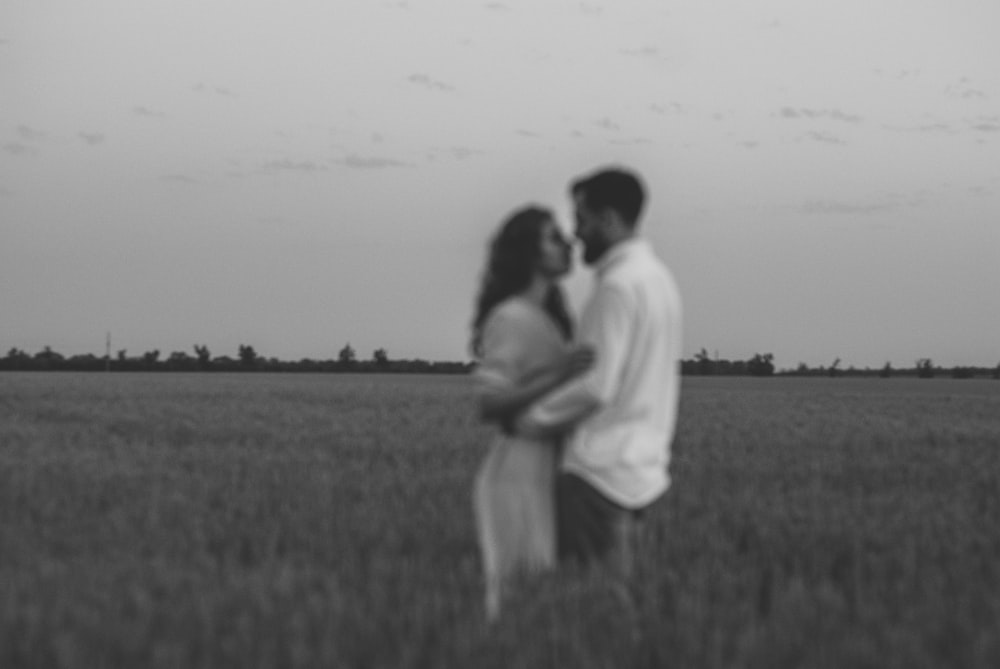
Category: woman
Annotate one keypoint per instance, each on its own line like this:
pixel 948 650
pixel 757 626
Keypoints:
pixel 521 336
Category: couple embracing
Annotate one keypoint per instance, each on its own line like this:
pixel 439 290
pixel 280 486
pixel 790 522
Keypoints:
pixel 585 415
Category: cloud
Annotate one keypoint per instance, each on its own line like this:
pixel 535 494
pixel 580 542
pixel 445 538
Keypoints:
pixel 937 127
pixel 590 9
pixel 147 112
pixel 971 94
pixel 178 179
pixel 497 6
pixel 305 166
pixel 18 149
pixel 455 152
pixel 29 134
pixel 23 145
pixel 92 138
pixel 897 74
pixel 749 144
pixel 218 90
pixel 607 124
pixel 671 108
pixel 355 161
pixel 824 137
pixel 527 133
pixel 429 83
pixel 933 127
pixel 964 91
pixel 464 152
pixel 987 124
pixel 632 141
pixel 845 208
pixel 832 114
pixel 642 52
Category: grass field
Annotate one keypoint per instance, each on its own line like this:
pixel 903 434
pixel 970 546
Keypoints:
pixel 264 520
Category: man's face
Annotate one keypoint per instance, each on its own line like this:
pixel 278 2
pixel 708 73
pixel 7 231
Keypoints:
pixel 590 230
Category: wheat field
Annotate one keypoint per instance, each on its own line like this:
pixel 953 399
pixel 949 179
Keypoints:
pixel 268 520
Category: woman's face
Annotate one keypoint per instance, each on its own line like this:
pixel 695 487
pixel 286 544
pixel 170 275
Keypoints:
pixel 554 251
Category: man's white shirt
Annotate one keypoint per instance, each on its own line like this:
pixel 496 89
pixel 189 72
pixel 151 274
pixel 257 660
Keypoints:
pixel 625 407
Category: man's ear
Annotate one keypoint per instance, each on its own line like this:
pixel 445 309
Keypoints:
pixel 611 220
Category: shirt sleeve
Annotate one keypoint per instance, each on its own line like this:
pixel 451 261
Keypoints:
pixel 498 366
pixel 605 325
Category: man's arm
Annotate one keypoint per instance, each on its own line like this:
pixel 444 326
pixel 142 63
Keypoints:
pixel 500 402
pixel 606 325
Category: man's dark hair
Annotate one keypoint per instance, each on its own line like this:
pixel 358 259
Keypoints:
pixel 614 189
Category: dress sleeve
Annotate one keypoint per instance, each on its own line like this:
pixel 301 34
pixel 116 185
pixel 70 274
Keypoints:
pixel 501 361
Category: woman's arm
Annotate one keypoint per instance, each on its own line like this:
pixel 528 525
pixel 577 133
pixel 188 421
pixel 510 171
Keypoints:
pixel 502 404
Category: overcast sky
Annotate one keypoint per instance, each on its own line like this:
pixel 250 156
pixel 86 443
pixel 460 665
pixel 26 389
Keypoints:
pixel 824 177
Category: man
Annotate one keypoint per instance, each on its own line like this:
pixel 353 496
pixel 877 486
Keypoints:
pixel 621 414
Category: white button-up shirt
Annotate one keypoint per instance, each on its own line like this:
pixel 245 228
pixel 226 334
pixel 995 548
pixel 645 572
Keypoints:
pixel 625 407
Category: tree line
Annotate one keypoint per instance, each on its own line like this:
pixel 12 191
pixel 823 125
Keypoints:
pixel 247 359
pixel 762 364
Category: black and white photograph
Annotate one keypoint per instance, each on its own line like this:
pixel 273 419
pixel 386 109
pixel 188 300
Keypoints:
pixel 415 334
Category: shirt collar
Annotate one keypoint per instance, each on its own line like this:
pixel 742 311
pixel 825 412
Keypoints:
pixel 619 252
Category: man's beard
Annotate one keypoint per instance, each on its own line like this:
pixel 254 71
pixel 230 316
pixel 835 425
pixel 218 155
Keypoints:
pixel 594 250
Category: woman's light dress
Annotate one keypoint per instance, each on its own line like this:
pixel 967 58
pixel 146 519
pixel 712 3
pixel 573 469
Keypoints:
pixel 514 498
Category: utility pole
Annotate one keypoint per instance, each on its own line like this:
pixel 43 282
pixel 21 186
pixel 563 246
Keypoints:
pixel 107 353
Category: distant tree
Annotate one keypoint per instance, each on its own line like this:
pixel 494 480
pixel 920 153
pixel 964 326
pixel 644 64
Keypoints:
pixel 761 365
pixel 248 356
pixel 417 366
pixel 48 355
pixel 122 355
pixel 346 355
pixel 996 371
pixel 925 368
pixel 17 359
pixel 705 365
pixel 85 362
pixel 224 362
pixel 150 358
pixel 204 356
pixel 963 372
pixel 180 361
pixel 380 357
pixel 886 371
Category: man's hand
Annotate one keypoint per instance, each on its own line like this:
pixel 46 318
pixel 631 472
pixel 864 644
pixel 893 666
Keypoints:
pixel 522 427
pixel 578 360
pixel 508 425
pixel 575 362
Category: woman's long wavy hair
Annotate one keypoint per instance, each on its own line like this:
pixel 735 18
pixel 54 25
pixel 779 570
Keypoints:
pixel 513 256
